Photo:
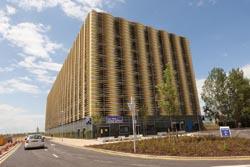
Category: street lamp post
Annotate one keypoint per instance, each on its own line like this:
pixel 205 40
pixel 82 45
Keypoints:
pixel 131 106
pixel 62 124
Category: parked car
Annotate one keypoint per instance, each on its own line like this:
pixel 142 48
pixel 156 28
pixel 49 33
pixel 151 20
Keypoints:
pixel 34 141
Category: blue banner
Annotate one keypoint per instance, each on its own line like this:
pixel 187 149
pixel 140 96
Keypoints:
pixel 114 119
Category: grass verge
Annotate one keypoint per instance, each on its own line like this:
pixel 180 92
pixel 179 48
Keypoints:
pixel 185 146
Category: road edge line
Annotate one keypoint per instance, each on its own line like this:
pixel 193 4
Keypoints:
pixel 182 158
pixel 145 156
pixel 9 153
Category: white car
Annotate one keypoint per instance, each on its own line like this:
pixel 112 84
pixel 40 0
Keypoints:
pixel 34 141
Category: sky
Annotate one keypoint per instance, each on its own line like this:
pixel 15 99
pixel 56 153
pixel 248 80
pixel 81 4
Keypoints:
pixel 35 36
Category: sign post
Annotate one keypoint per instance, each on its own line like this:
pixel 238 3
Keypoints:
pixel 131 106
pixel 225 131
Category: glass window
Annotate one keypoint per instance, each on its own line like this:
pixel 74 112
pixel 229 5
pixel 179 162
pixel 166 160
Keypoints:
pixel 134 45
pixel 132 31
pixel 124 129
pixel 117 27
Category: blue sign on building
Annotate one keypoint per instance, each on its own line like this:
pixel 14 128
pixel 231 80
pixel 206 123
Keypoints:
pixel 225 131
pixel 114 119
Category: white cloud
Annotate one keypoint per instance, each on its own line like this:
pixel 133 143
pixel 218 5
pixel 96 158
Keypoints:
pixel 6 69
pixel 39 5
pixel 10 10
pixel 16 119
pixel 29 63
pixel 225 54
pixel 246 70
pixel 18 85
pixel 4 21
pixel 213 2
pixel 31 39
pixel 73 8
pixel 40 69
pixel 36 47
pixel 199 3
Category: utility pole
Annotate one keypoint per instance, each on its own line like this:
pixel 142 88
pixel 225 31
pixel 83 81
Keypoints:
pixel 131 106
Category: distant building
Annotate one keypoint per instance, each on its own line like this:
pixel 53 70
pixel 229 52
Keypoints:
pixel 37 129
pixel 111 60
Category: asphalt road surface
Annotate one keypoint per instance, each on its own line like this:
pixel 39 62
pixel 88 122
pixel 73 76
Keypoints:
pixel 56 155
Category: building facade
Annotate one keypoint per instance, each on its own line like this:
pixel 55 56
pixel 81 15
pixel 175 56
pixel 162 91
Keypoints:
pixel 112 60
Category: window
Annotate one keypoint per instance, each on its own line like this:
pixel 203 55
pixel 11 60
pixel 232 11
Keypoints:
pixel 99 22
pixel 100 38
pixel 159 38
pixel 132 31
pixel 121 99
pixel 118 52
pixel 119 63
pixel 117 27
pixel 100 49
pixel 118 41
pixel 124 129
pixel 134 56
pixel 147 48
pixel 134 45
pixel 146 35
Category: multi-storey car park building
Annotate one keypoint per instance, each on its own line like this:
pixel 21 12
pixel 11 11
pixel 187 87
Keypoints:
pixel 111 60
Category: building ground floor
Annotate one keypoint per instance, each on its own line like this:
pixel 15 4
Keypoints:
pixel 87 128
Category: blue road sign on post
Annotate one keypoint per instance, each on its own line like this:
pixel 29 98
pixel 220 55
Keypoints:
pixel 87 121
pixel 225 131
pixel 114 119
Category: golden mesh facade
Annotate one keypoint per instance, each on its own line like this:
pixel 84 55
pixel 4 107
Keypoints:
pixel 113 59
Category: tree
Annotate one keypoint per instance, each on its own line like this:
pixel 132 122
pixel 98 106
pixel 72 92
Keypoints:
pixel 96 118
pixel 143 112
pixel 239 94
pixel 168 93
pixel 227 98
pixel 214 94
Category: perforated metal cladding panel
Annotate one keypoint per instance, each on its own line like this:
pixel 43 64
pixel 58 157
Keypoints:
pixel 195 101
pixel 128 62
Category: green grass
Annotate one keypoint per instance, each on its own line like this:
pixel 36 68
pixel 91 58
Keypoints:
pixel 185 146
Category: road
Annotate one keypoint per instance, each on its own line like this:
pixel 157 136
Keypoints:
pixel 56 155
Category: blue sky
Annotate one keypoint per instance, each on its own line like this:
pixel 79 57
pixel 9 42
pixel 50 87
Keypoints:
pixel 35 36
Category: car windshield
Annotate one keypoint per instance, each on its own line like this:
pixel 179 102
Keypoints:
pixel 35 137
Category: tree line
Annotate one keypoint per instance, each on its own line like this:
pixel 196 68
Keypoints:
pixel 227 97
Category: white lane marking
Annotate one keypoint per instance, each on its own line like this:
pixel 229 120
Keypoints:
pixel 45 149
pixel 103 161
pixel 55 155
pixel 144 165
pixel 233 166
pixel 52 144
pixel 8 154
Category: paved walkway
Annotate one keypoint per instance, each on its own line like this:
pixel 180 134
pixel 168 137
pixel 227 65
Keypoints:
pixel 74 142
pixel 244 133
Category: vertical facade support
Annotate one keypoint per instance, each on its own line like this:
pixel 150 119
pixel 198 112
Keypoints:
pixel 147 96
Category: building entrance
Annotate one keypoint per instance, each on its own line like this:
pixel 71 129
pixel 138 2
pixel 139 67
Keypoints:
pixel 104 131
